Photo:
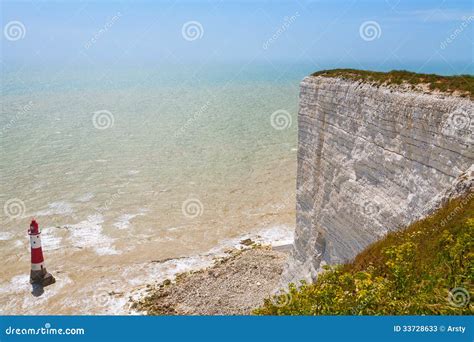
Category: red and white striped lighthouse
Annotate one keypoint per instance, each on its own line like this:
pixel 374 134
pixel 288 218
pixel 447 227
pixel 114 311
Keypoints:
pixel 38 274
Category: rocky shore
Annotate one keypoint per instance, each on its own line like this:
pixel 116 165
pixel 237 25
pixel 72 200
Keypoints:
pixel 233 285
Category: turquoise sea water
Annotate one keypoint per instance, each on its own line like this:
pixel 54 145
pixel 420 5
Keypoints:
pixel 166 133
pixel 124 166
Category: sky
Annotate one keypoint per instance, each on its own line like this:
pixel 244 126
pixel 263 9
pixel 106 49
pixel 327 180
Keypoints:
pixel 409 34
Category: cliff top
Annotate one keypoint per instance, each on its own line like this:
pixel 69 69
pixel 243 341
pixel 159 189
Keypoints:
pixel 461 85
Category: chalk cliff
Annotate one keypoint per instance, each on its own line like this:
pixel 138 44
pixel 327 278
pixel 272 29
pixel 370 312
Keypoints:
pixel 371 159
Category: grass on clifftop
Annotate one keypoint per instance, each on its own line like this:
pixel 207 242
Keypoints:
pixel 428 268
pixel 462 84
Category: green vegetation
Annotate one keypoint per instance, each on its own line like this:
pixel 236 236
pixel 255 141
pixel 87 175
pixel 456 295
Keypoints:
pixel 462 84
pixel 427 268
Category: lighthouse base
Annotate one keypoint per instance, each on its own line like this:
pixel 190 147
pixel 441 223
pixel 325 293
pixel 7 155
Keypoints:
pixel 41 277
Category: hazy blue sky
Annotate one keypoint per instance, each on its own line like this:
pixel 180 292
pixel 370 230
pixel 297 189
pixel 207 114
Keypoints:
pixel 414 33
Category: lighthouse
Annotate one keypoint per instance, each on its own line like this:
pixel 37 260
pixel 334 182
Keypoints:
pixel 38 274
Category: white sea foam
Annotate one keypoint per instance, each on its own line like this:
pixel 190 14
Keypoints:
pixel 159 271
pixel 4 236
pixel 50 239
pixel 275 236
pixel 16 284
pixel 86 197
pixel 106 250
pixel 21 300
pixel 56 208
pixel 123 222
pixel 19 243
pixel 89 234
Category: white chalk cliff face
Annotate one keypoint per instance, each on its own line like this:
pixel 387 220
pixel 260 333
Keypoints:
pixel 370 161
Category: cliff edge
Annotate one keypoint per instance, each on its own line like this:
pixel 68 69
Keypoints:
pixel 372 158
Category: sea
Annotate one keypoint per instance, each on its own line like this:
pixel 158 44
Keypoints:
pixel 137 174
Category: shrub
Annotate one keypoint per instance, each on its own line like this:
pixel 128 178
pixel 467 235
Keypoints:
pixel 462 84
